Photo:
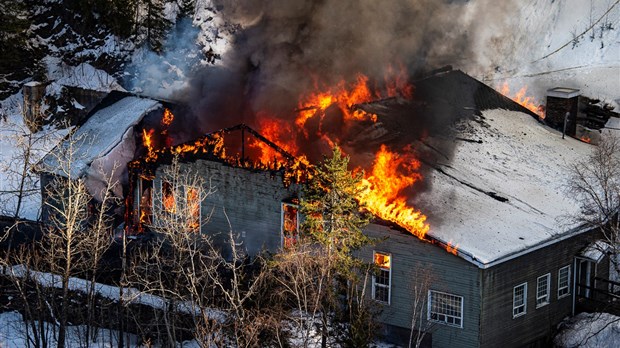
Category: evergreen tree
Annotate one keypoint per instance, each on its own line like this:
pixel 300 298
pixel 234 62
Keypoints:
pixel 155 24
pixel 334 220
pixel 333 216
pixel 14 24
pixel 187 8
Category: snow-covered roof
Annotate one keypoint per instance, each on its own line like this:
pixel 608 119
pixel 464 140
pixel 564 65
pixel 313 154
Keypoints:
pixel 99 135
pixel 502 193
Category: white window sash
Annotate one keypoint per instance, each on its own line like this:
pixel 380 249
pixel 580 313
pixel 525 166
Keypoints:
pixel 566 287
pixel 516 307
pixel 434 295
pixel 544 299
pixel 389 285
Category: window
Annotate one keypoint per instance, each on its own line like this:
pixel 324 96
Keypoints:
pixel 445 308
pixel 192 196
pixel 542 290
pixel 168 203
pixel 564 281
pixel 290 224
pixel 519 300
pixel 382 280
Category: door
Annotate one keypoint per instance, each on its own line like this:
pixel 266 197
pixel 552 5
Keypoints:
pixel 584 277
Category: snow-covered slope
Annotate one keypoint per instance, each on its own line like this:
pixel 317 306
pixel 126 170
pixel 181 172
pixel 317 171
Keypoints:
pixel 543 44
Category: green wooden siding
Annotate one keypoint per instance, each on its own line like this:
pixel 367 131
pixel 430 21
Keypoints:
pixel 411 259
pixel 248 202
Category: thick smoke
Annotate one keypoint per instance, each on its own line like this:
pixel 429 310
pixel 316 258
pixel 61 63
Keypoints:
pixel 162 75
pixel 286 48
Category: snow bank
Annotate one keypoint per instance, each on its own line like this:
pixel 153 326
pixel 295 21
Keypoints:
pixel 590 330
pixel 84 76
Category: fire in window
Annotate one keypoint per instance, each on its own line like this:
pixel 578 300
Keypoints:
pixel 168 203
pixel 290 224
pixel 381 282
pixel 143 203
pixel 192 195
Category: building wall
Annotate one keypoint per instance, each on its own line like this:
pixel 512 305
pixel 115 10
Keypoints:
pixel 244 201
pixel 535 327
pixel 412 260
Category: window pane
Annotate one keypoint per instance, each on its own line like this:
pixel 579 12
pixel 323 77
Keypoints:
pixel 289 224
pixel 381 280
pixel 446 308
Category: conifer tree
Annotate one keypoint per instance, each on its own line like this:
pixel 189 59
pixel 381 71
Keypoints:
pixel 187 8
pixel 155 24
pixel 334 220
pixel 14 23
pixel 333 216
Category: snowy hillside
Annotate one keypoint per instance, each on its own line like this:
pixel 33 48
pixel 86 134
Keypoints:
pixel 543 44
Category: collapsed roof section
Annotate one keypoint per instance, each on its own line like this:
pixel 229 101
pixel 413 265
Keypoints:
pixel 236 146
pixel 104 141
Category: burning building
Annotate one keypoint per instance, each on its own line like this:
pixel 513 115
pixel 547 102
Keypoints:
pixel 464 184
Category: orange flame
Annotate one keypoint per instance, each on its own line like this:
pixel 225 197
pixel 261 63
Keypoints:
pixel 167 118
pixel 452 249
pixel 382 190
pixel 193 203
pixel 586 139
pixel 315 105
pixel 521 98
pixel 147 140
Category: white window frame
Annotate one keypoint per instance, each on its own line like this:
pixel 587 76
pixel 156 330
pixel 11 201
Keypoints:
pixel 567 286
pixel 433 295
pixel 282 221
pixel 543 300
pixel 515 307
pixel 374 282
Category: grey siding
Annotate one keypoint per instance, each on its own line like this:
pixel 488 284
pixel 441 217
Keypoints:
pixel 248 202
pixel 449 273
pixel 498 327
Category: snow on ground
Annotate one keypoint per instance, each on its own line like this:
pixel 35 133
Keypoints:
pixel 590 330
pixel 13 139
pixel 84 76
pixel 519 47
pixel 513 156
pixel 130 295
pixel 14 331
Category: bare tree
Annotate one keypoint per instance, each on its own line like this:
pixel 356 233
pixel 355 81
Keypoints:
pixel 595 184
pixel 27 149
pixel 419 288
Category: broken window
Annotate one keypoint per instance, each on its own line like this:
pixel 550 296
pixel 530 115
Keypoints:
pixel 192 196
pixel 168 203
pixel 381 282
pixel 445 308
pixel 542 290
pixel 564 281
pixel 519 300
pixel 143 203
pixel 290 224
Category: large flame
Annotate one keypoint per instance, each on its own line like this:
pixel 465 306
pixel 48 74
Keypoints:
pixel 383 188
pixel 383 191
pixel 522 98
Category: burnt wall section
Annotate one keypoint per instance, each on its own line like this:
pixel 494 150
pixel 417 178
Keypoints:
pixel 244 201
